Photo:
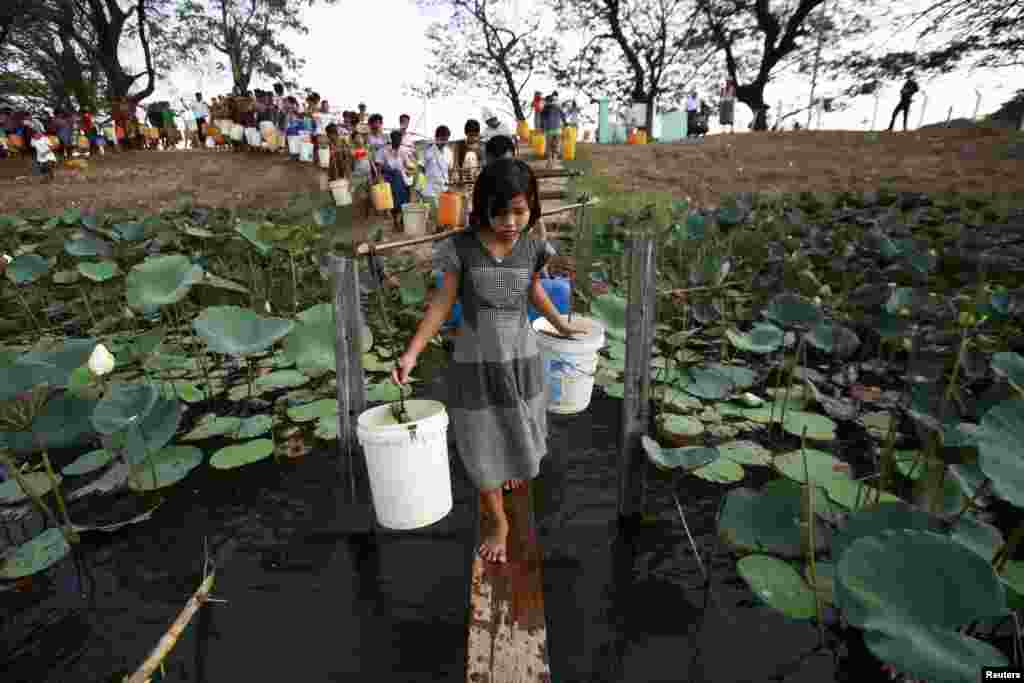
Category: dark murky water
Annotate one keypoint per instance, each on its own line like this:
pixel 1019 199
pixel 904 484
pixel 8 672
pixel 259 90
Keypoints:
pixel 305 602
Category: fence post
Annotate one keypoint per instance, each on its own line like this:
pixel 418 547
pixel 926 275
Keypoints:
pixel 348 357
pixel 924 106
pixel 640 322
pixel 977 103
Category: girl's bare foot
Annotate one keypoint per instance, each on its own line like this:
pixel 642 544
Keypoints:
pixel 493 548
pixel 513 484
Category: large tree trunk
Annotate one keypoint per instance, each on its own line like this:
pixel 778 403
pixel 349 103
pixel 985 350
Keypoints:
pixel 649 117
pixel 752 95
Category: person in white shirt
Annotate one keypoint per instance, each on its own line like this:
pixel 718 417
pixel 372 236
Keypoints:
pixel 692 106
pixel 397 166
pixel 202 114
pixel 45 160
pixel 403 127
pixel 438 162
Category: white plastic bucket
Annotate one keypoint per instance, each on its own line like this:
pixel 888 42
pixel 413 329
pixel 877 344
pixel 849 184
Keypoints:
pixel 237 133
pixel 267 125
pixel 410 479
pixel 253 137
pixel 294 145
pixel 341 191
pixel 325 157
pixel 414 218
pixel 569 364
pixel 306 152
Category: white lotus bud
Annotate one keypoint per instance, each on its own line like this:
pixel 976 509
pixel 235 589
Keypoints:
pixel 267 306
pixel 101 361
pixel 817 301
pixel 8 258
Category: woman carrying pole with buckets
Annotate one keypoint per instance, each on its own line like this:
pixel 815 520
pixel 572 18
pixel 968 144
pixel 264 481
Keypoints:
pixel 497 402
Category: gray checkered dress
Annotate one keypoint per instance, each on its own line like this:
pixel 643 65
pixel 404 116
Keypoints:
pixel 495 382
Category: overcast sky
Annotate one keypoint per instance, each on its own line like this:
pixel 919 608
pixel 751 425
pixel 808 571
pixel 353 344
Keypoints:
pixel 348 65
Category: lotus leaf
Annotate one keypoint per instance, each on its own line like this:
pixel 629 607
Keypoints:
pixel 11 492
pixel 981 537
pixel 63 422
pixel 1013 578
pixel 129 232
pixel 679 426
pixel 854 495
pixel 327 428
pixel 254 426
pixel 891 576
pixel 677 400
pixel 198 232
pixel 211 425
pixel 413 289
pixel 1001 449
pixel 383 392
pixel 311 345
pixel 187 391
pixel 89 462
pixel 969 477
pixel 832 338
pixel 138 347
pixel 821 466
pixel 372 363
pixel 778 585
pixel 720 471
pixel 752 522
pixel 891 326
pixel 610 310
pixel 762 338
pixel 819 427
pixel 161 281
pixel 707 382
pixel 26 268
pixel 909 463
pixel 239 331
pixel 122 405
pixel 147 436
pixel 282 379
pixel 99 271
pixel 36 555
pixel 932 653
pixel 793 310
pixel 166 468
pixel 325 215
pixel 1009 365
pixel 251 231
pixel 241 392
pixel 906 301
pixel 211 280
pixel 66 277
pixel 617 349
pixel 746 453
pixel 312 411
pixel 87 246
pixel 689 458
pixel 616 364
pixel 615 389
pixel 823 507
pixel 246 453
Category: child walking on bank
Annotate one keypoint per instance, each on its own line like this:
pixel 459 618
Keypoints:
pixel 497 400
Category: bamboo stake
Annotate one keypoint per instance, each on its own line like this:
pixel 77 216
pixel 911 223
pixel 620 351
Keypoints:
pixel 145 672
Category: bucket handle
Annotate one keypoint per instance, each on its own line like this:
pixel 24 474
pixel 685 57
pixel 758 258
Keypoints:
pixel 575 367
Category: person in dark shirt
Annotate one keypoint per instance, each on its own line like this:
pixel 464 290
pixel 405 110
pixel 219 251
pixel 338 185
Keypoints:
pixel 906 95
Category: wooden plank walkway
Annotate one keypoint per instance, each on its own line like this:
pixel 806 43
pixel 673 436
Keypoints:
pixel 507 640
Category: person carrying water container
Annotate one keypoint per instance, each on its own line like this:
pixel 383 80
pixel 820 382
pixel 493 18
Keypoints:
pixel 553 120
pixel 394 162
pixel 497 400
pixel 45 160
pixel 538 107
pixel 906 95
pixel 438 162
pixel 201 112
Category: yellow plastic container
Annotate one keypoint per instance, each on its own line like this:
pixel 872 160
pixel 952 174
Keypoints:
pixel 213 132
pixel 523 131
pixel 641 136
pixel 83 142
pixel 450 209
pixel 538 142
pixel 569 144
pixel 382 199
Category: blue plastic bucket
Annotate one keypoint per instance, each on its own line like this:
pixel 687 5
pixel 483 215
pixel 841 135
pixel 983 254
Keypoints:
pixel 559 291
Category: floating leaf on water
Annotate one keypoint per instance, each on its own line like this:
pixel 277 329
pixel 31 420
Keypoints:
pixel 821 466
pixel 36 555
pixel 1000 449
pixel 751 400
pixel 689 458
pixel 615 390
pixel 239 331
pixel 88 462
pixel 282 379
pixel 165 468
pixel 66 277
pixel 892 576
pixel 254 426
pixel 675 399
pixel 315 410
pixel 818 427
pixel 87 246
pixel 832 338
pixel 327 428
pixel 746 453
pixel 129 232
pixel 211 425
pixel 99 271
pixel 161 281
pixel 383 392
pixel 878 423
pixel 793 310
pixel 720 471
pixel 1009 365
pixel 198 232
pixel 26 268
pixel 246 453
pixel 855 495
pixel 679 430
pixel 187 391
pixel 778 584
pixel 752 521
pixel 762 338
pixel 38 482
pixel 251 231
pixel 707 382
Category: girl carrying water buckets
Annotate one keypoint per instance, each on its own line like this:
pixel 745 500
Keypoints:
pixel 497 400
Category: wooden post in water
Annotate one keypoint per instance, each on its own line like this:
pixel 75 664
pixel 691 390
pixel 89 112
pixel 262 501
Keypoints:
pixel 348 349
pixel 640 322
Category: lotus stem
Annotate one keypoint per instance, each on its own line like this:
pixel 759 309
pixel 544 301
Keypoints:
pixel 155 659
pixel 252 279
pixel 28 309
pixel 69 533
pixel 888 464
pixel 792 374
pixel 36 498
pixel 295 285
pixel 965 340
pixel 248 364
pixel 88 305
pixel 809 488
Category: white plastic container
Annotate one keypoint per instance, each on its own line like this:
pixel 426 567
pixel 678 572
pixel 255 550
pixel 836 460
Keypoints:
pixel 237 133
pixel 342 192
pixel 408 464
pixel 569 364
pixel 414 218
pixel 253 137
pixel 294 145
pixel 306 152
pixel 325 157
